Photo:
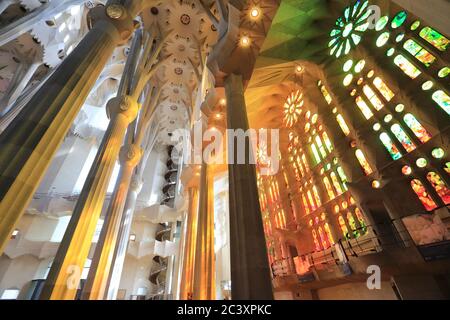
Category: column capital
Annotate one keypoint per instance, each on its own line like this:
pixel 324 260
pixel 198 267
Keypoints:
pixel 130 155
pixel 117 15
pixel 125 105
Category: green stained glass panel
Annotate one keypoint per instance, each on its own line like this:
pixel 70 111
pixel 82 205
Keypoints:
pixel 444 72
pixel 381 23
pixel 399 19
pixel 434 38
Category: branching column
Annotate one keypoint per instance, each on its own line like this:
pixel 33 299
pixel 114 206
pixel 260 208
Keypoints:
pixel 250 274
pixel 74 248
pixel 29 143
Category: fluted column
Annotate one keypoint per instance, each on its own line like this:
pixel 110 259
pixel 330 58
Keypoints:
pixel 187 273
pixel 29 143
pixel 250 273
pixel 102 261
pixel 204 267
pixel 74 248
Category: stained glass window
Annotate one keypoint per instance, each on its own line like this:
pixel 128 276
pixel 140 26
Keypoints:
pixel 403 138
pixel 382 39
pixel 327 141
pixel 315 153
pixel 293 108
pixel 363 162
pixel 423 195
pixel 383 88
pixel 361 220
pixel 407 67
pixel 316 241
pixel 417 51
pixel 370 94
pixel 344 228
pixel 362 105
pixel 321 147
pixel 434 38
pixel 343 177
pixel 305 204
pixel 444 72
pixel 327 229
pixel 347 30
pixel 390 146
pixel 343 124
pixel 347 80
pixel 352 223
pixel 311 201
pixel 381 23
pixel 329 188
pixel 438 153
pixel 336 183
pixel 399 19
pixel 316 195
pixel 323 238
pixel 419 131
pixel 443 100
pixel 326 94
pixel 440 187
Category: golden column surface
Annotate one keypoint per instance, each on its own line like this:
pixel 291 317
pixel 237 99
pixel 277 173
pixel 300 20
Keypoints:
pixel 101 265
pixel 204 267
pixel 186 288
pixel 63 279
pixel 30 142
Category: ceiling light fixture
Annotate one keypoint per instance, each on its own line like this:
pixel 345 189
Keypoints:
pixel 254 13
pixel 245 41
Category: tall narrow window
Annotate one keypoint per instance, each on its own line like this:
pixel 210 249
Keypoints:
pixel 311 200
pixel 329 188
pixel 383 88
pixel 418 52
pixel 321 147
pixel 343 177
pixel 361 220
pixel 440 187
pixel 433 37
pixel 316 241
pixel 423 195
pixel 443 100
pixel 390 146
pixel 373 98
pixel 364 108
pixel 419 131
pixel 323 238
pixel 403 138
pixel 336 183
pixel 326 94
pixel 327 141
pixel 305 204
pixel 316 195
pixel 343 124
pixel 327 229
pixel 363 162
pixel 315 153
pixel 352 223
pixel 344 228
pixel 407 67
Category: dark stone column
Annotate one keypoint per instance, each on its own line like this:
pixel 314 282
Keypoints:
pixel 250 274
